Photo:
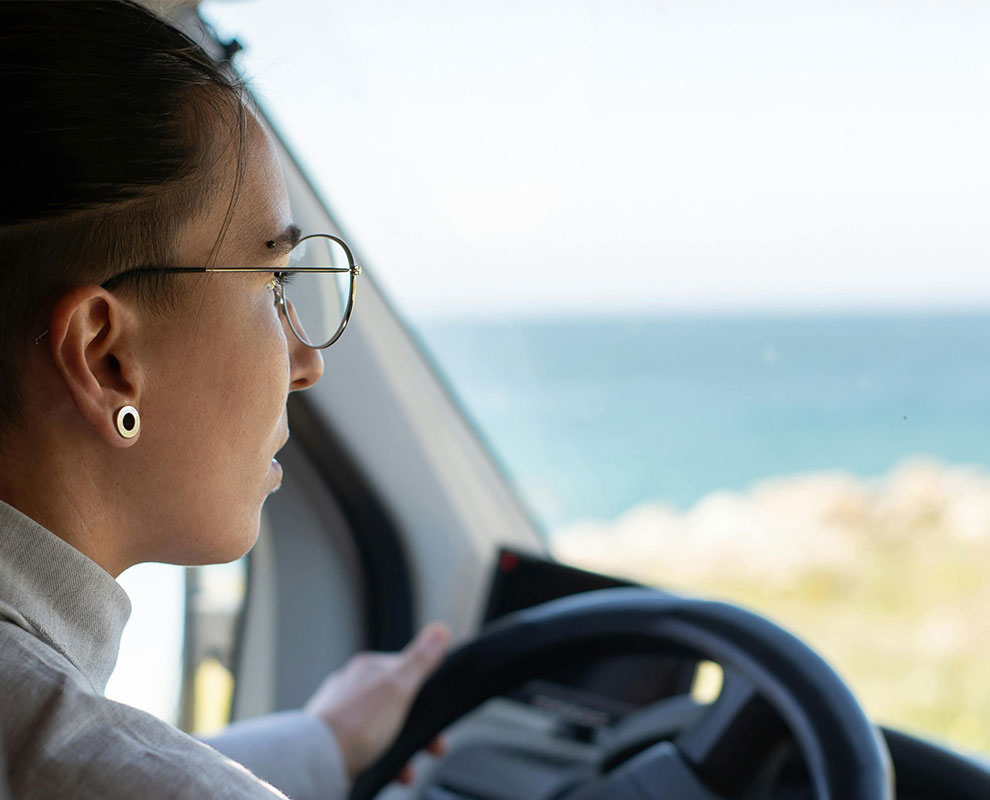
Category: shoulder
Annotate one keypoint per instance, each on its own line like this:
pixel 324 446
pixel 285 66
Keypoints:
pixel 64 740
pixel 33 672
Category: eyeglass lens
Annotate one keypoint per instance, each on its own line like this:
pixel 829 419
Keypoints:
pixel 320 298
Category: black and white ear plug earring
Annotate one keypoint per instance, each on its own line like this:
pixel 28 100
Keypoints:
pixel 128 421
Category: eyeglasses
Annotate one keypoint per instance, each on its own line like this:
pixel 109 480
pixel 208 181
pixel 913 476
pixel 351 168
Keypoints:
pixel 319 309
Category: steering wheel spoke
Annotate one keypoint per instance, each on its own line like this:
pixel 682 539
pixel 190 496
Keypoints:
pixel 729 744
pixel 658 773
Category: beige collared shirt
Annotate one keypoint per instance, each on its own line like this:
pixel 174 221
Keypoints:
pixel 61 618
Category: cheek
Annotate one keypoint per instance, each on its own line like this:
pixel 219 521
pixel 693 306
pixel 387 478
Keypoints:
pixel 249 377
pixel 230 357
pixel 266 377
pixel 278 349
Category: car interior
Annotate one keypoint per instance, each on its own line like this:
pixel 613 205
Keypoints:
pixel 566 683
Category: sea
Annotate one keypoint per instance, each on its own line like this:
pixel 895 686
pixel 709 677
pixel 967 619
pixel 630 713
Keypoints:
pixel 593 415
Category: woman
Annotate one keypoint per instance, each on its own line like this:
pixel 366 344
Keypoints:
pixel 142 408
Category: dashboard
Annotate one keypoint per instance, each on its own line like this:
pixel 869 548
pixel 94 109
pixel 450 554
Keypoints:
pixel 555 736
pixel 556 730
pixel 594 693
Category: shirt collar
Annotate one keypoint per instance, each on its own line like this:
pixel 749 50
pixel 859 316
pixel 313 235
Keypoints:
pixel 59 595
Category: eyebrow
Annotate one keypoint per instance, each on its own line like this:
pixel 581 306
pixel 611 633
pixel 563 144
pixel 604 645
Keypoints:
pixel 286 240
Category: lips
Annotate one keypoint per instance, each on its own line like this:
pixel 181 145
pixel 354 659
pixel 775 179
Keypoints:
pixel 274 466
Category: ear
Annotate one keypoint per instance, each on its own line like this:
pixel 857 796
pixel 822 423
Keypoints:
pixel 91 336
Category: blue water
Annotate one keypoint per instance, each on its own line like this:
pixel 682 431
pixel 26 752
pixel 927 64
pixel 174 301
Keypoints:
pixel 593 416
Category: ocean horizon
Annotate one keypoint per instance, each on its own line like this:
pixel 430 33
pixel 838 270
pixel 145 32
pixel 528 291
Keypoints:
pixel 594 415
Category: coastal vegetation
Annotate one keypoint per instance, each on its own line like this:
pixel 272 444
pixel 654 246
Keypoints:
pixel 888 578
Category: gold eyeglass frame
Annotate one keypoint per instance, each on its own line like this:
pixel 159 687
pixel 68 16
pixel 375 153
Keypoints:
pixel 278 288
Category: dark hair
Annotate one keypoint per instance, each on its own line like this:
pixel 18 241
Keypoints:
pixel 112 119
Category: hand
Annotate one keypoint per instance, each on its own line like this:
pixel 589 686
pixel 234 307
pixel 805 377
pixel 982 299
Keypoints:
pixel 366 702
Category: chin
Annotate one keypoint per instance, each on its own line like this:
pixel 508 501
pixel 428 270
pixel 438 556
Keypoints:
pixel 238 547
pixel 212 548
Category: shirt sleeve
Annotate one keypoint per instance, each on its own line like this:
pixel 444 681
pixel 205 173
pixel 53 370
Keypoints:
pixel 293 751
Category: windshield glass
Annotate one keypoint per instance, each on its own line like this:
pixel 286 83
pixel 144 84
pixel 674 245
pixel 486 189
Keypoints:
pixel 712 279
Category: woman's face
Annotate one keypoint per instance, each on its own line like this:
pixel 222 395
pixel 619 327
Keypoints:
pixel 218 372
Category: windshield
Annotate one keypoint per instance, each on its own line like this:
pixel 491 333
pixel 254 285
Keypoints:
pixel 712 279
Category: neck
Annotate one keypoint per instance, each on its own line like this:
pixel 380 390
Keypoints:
pixel 63 487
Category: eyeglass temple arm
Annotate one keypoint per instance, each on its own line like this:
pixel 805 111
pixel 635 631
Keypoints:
pixel 354 270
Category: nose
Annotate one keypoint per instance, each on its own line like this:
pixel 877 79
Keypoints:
pixel 305 363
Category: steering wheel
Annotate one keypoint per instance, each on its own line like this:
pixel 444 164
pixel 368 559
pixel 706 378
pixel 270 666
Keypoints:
pixel 844 754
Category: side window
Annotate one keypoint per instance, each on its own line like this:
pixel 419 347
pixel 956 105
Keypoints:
pixel 215 597
pixel 829 471
pixel 177 652
pixel 149 667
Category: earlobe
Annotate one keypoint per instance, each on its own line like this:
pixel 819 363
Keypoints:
pixel 91 337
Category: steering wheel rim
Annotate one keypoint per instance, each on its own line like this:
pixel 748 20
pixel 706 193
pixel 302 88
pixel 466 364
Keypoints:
pixel 845 753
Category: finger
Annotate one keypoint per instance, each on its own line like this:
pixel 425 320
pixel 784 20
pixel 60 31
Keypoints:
pixel 438 746
pixel 406 775
pixel 424 653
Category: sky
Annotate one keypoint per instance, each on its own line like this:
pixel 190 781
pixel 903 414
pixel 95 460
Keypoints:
pixel 559 157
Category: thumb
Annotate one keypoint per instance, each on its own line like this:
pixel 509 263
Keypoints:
pixel 424 653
